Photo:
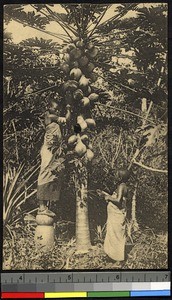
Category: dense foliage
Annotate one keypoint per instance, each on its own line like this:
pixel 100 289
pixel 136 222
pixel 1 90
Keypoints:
pixel 130 76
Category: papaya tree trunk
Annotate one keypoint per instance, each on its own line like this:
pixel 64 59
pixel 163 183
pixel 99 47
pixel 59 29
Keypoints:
pixel 82 223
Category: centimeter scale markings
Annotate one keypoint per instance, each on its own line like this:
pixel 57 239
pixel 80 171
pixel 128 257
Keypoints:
pixel 85 281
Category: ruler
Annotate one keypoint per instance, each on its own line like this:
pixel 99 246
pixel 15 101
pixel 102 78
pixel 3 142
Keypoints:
pixel 85 281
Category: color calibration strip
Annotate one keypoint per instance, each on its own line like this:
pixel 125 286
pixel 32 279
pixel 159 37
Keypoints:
pixel 85 294
pixel 85 285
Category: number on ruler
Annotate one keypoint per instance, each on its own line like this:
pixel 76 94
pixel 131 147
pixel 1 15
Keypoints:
pixel 117 276
pixel 69 277
pixel 20 278
pixel 166 276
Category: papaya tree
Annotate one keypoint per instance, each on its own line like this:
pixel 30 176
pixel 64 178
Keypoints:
pixel 90 39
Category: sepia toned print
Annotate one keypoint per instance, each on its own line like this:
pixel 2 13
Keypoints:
pixel 85 173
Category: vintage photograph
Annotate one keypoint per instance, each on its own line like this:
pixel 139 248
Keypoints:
pixel 85 141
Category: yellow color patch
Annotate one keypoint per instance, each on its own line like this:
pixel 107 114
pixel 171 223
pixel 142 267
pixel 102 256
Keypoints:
pixel 66 295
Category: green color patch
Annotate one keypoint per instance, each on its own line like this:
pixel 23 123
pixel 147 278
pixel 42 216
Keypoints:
pixel 108 294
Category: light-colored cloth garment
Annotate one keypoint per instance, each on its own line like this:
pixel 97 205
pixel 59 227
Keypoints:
pixel 114 244
pixel 49 182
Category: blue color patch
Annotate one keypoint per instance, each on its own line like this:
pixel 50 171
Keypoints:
pixel 150 293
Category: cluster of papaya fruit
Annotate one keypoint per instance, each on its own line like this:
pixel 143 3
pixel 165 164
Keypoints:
pixel 81 145
pixel 78 67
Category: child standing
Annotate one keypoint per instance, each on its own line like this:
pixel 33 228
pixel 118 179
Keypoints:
pixel 114 244
pixel 51 171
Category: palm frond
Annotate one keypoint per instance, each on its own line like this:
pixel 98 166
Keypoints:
pixel 99 20
pixel 113 22
pixel 120 14
pixel 62 23
pixel 13 184
pixel 23 184
pixel 16 192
